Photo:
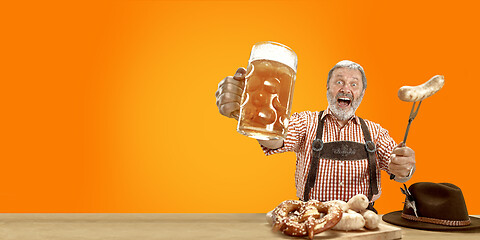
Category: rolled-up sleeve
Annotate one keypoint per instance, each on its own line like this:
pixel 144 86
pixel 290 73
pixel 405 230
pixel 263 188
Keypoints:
pixel 295 135
pixel 385 146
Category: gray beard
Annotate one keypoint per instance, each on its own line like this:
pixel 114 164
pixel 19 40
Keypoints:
pixel 341 114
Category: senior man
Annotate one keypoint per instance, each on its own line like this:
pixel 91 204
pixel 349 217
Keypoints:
pixel 338 153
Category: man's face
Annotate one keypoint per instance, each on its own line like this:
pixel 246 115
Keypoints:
pixel 345 92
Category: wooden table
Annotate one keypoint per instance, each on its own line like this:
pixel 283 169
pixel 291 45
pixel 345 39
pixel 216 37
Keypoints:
pixel 118 226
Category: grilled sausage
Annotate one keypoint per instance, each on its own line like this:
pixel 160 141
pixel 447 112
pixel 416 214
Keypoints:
pixel 420 92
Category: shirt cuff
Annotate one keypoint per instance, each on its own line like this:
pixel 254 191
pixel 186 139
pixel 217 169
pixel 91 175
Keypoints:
pixel 268 151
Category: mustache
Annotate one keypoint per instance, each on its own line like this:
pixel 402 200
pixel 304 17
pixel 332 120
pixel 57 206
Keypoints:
pixel 348 95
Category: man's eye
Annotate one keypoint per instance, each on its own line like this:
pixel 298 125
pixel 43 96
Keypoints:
pixel 354 84
pixel 339 82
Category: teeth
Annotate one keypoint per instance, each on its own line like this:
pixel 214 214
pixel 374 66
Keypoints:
pixel 345 99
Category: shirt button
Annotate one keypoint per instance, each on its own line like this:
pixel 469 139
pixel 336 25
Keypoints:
pixel 341 184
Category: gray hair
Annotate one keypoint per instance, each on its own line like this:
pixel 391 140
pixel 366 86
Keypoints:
pixel 352 65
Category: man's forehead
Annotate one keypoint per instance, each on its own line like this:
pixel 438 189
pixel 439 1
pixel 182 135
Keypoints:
pixel 350 72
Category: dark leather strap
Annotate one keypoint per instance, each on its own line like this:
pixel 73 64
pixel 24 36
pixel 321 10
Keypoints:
pixel 344 150
pixel 317 147
pixel 370 207
pixel 372 163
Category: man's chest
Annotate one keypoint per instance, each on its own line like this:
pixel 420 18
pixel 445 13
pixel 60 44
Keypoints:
pixel 351 132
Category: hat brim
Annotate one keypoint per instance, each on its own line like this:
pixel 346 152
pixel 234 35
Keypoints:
pixel 396 219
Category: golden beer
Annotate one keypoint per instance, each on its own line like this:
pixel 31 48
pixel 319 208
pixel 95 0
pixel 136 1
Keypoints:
pixel 267 97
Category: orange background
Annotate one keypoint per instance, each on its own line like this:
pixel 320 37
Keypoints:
pixel 110 107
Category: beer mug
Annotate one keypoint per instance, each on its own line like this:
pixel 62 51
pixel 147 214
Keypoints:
pixel 267 96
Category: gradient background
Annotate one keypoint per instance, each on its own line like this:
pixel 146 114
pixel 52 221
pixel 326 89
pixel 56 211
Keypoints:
pixel 110 106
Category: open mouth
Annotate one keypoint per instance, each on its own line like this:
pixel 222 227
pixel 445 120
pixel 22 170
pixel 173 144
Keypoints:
pixel 344 101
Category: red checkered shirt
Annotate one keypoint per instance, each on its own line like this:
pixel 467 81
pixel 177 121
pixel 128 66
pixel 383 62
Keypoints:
pixel 336 179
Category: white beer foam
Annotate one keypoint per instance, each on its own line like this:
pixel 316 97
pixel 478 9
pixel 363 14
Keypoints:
pixel 275 52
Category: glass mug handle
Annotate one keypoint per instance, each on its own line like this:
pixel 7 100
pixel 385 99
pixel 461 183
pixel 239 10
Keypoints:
pixel 236 113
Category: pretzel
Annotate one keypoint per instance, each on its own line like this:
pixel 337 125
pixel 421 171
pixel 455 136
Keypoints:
pixel 297 218
pixel 286 213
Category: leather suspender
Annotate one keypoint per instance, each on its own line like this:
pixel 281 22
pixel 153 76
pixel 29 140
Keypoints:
pixel 372 163
pixel 317 147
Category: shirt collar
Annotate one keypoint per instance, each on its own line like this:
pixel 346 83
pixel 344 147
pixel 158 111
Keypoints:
pixel 328 111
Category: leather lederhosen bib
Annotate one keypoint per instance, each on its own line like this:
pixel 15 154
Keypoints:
pixel 342 150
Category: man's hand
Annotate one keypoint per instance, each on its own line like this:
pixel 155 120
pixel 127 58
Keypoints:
pixel 229 97
pixel 402 160
pixel 229 94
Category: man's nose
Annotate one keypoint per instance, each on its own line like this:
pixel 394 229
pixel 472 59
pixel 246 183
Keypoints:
pixel 346 90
